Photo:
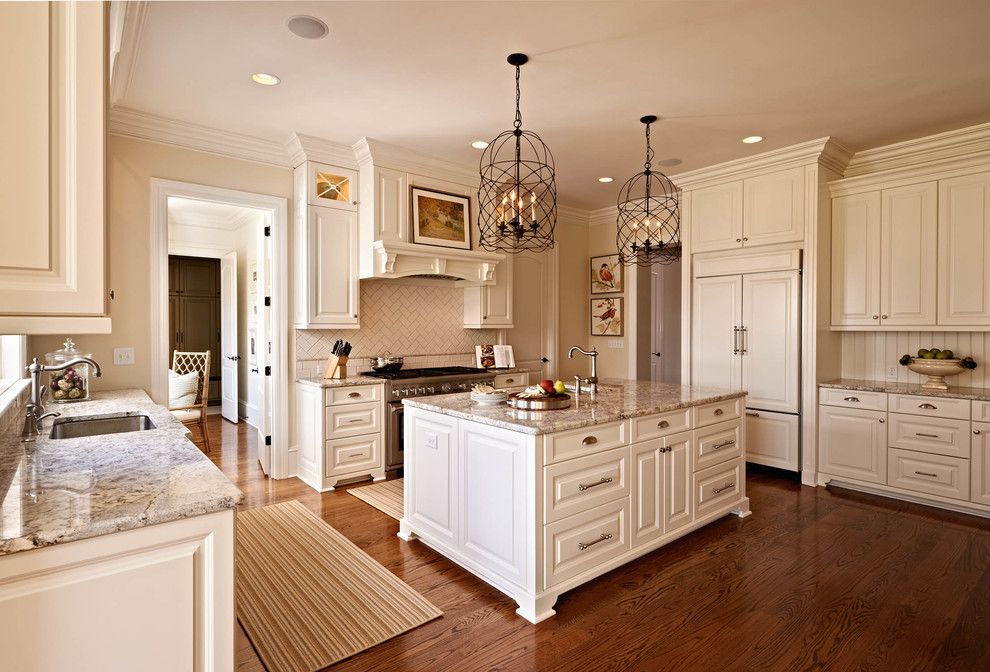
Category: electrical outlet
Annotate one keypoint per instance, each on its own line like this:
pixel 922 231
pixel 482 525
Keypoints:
pixel 892 371
pixel 123 356
pixel 431 440
pixel 616 343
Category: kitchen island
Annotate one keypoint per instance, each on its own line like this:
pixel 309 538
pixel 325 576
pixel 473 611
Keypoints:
pixel 537 503
pixel 116 550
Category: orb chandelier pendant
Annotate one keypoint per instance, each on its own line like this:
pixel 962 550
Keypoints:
pixel 648 226
pixel 517 197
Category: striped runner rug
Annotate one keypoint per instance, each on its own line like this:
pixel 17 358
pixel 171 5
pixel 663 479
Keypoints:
pixel 385 496
pixel 307 597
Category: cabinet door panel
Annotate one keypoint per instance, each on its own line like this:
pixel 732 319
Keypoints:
pixel 431 492
pixel 773 439
pixel 490 306
pixel 333 267
pixel 649 479
pixel 716 217
pixel 715 315
pixel 980 491
pixel 856 259
pixel 853 443
pixel 909 244
pixel 678 506
pixel 332 187
pixel 964 251
pixel 771 342
pixel 774 208
pixel 198 277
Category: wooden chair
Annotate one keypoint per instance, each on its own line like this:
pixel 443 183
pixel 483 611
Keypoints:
pixel 186 362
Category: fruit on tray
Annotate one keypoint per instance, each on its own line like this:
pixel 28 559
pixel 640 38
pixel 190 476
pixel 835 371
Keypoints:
pixel 968 363
pixel 934 353
pixel 559 387
pixel 547 385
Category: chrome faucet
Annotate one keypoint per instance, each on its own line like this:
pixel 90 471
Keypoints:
pixel 592 380
pixel 35 409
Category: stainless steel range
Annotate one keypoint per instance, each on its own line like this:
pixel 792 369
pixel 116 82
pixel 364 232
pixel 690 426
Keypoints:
pixel 408 383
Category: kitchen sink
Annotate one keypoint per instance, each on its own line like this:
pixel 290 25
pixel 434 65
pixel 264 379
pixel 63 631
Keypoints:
pixel 96 425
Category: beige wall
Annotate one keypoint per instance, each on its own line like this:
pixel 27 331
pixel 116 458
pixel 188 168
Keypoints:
pixel 612 362
pixel 131 164
pixel 572 295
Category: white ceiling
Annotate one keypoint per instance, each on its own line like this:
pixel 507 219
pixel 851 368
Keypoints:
pixel 208 215
pixel 432 76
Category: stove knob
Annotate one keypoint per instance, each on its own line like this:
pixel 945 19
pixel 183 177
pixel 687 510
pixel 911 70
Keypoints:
pixel 397 393
pixel 431 390
pixel 446 387
pixel 421 390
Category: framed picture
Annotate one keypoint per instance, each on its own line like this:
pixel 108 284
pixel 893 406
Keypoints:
pixel 606 274
pixel 441 219
pixel 606 316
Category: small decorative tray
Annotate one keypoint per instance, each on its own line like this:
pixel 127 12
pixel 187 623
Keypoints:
pixel 552 402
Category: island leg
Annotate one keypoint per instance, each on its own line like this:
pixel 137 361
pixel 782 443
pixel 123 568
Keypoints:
pixel 536 609
pixel 405 531
pixel 743 510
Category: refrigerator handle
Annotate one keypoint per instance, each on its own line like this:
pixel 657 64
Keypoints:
pixel 735 340
pixel 745 340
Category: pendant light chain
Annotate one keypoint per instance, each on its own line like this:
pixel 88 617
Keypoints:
pixel 518 122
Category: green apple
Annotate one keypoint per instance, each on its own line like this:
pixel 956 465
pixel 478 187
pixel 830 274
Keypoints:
pixel 949 354
pixel 922 352
pixel 935 351
pixel 943 355
pixel 929 354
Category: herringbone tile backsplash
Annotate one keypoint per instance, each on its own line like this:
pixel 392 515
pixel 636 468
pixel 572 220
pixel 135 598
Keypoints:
pixel 412 320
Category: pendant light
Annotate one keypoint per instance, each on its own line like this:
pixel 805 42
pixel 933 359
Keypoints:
pixel 648 227
pixel 517 197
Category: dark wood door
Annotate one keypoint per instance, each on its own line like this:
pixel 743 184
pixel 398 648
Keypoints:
pixel 194 311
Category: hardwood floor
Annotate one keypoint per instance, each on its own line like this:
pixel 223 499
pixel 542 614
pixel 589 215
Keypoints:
pixel 815 579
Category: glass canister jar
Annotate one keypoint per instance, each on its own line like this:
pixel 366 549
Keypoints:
pixel 70 384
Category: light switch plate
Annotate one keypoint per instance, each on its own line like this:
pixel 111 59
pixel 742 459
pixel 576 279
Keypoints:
pixel 616 343
pixel 123 356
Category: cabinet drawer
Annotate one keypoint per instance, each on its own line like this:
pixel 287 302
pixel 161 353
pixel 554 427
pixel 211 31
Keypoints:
pixel 717 444
pixel 585 540
pixel 505 380
pixel 353 419
pixel 353 394
pixel 662 424
pixel 981 411
pixel 717 486
pixel 709 414
pixel 944 436
pixel 584 441
pixel 933 474
pixel 584 483
pixel 940 407
pixel 352 455
pixel 869 401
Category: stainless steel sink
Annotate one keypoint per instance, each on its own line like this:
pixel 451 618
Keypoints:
pixel 95 425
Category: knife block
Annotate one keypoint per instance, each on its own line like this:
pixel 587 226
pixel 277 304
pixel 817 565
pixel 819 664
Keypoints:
pixel 336 367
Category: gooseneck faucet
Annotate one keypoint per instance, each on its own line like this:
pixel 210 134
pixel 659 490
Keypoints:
pixel 35 409
pixel 592 380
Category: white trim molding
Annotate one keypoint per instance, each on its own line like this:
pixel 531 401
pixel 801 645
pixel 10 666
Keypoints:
pixel 383 154
pixel 301 148
pixel 962 142
pixel 127 23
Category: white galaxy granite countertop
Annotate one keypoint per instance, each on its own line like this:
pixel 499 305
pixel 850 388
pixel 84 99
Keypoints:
pixel 357 379
pixel 57 491
pixel 616 400
pixel 893 387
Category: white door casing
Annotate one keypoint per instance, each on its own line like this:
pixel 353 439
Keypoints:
pixel 228 337
pixel 771 340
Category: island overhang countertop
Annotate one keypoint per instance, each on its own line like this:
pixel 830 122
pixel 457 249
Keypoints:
pixel 616 400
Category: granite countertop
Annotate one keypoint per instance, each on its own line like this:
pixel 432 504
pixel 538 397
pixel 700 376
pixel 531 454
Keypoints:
pixel 358 379
pixel 893 387
pixel 57 491
pixel 616 400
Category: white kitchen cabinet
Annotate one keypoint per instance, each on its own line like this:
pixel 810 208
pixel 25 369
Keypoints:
pixel 490 306
pixel 715 319
pixel 909 252
pixel 773 208
pixel 980 464
pixel 773 439
pixel 661 487
pixel 331 186
pixel 717 217
pixel 856 259
pixel 679 507
pixel 853 443
pixel 964 251
pixel 327 291
pixel 52 168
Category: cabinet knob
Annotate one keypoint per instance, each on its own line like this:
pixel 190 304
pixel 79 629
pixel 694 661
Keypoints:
pixel 883 317
pixel 745 239
pixel 719 411
pixel 738 240
pixel 976 431
pixel 876 317
pixel 663 424
pixel 882 421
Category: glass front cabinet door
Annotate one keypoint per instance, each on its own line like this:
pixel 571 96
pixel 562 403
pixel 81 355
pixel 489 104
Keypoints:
pixel 332 186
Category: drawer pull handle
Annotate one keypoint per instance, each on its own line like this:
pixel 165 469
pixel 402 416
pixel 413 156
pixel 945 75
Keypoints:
pixel 720 446
pixel 354 395
pixel 851 399
pixel 719 411
pixel 605 479
pixel 716 491
pixel 752 414
pixel 930 436
pixel 509 381
pixel 353 420
pixel 355 456
pixel 928 407
pixel 663 424
pixel 589 441
pixel 926 473
pixel 584 546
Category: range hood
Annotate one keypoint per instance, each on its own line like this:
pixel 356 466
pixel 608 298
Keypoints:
pixel 393 259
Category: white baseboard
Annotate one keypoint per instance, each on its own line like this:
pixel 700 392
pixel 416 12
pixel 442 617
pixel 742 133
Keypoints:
pixel 293 462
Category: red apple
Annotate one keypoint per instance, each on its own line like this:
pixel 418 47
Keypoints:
pixel 547 386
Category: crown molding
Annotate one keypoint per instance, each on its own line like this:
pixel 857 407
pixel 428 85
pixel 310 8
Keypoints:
pixel 938 148
pixel 824 150
pixel 128 20
pixel 301 148
pixel 572 215
pixel 369 151
pixel 145 126
pixel 603 216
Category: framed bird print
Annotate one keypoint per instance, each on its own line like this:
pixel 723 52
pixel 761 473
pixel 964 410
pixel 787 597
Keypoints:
pixel 606 316
pixel 606 274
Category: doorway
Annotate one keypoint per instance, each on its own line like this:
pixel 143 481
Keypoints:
pixel 228 248
pixel 665 322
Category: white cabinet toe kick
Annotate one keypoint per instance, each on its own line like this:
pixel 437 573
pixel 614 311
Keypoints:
pixel 538 515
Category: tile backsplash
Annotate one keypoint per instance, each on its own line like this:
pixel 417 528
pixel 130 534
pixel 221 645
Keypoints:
pixel 419 321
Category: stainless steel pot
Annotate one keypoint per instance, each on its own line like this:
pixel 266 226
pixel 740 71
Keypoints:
pixel 386 363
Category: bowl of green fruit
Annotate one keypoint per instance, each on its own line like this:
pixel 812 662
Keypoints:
pixel 937 364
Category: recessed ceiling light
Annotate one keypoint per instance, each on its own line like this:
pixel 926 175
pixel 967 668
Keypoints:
pixel 751 139
pixel 309 27
pixel 606 180
pixel 265 79
pixel 479 144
